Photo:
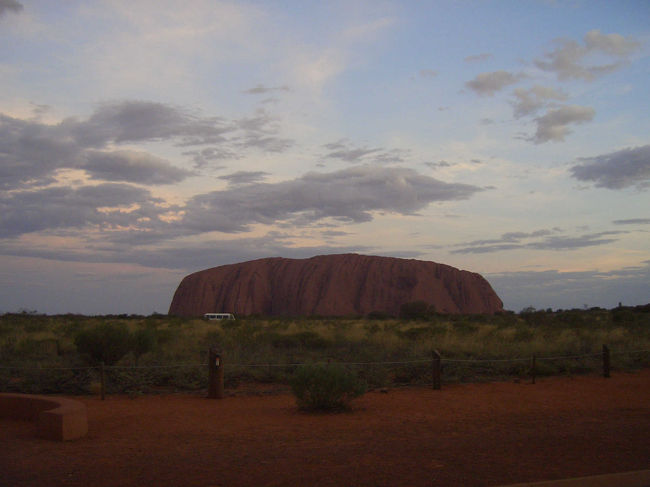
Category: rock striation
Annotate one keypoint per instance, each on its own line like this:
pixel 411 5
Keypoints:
pixel 332 285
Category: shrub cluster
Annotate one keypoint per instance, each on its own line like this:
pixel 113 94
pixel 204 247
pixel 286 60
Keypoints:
pixel 110 342
pixel 325 387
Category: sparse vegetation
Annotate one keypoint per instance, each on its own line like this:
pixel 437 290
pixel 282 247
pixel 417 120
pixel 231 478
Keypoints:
pixel 106 343
pixel 170 351
pixel 323 387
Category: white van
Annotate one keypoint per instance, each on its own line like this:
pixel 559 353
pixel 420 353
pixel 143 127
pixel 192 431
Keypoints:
pixel 219 316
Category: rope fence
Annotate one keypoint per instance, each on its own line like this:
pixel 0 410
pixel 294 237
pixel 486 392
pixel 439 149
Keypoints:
pixel 192 376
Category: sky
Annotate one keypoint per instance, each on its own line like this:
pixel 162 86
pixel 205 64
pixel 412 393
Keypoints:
pixel 142 141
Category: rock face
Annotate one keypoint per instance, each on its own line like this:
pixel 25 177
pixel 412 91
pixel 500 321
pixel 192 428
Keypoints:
pixel 332 285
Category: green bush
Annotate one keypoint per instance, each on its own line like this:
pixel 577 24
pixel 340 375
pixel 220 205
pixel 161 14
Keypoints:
pixel 143 341
pixel 106 343
pixel 325 387
pixel 416 310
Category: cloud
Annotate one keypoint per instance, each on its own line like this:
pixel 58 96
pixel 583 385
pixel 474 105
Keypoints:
pixel 263 90
pixel 616 170
pixel 571 243
pixel 349 195
pixel 10 6
pixel 344 151
pixel 569 59
pixel 612 44
pixel 428 73
pixel 205 157
pixel 554 125
pixel 188 257
pixel 632 221
pixel 487 84
pixel 129 215
pixel 31 152
pixel 538 240
pixel 136 167
pixel 260 132
pixel 244 177
pixel 437 165
pixel 109 205
pixel 556 289
pixel 136 121
pixel 478 57
pixel 529 101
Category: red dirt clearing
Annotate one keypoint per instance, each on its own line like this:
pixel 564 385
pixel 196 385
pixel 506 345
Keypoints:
pixel 464 435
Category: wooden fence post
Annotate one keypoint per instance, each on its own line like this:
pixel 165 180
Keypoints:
pixel 102 380
pixel 215 374
pixel 436 370
pixel 533 368
pixel 606 367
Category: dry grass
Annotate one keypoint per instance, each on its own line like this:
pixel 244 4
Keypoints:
pixel 31 341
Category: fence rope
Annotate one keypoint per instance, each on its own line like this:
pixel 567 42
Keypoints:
pixel 403 362
pixel 107 367
pixel 48 368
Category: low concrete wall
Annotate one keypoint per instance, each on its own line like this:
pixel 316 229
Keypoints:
pixel 56 418
pixel 639 478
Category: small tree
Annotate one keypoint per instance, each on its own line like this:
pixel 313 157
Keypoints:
pixel 325 387
pixel 106 343
pixel 143 341
pixel 416 310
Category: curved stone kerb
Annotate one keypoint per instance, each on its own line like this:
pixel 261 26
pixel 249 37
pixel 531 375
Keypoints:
pixel 57 418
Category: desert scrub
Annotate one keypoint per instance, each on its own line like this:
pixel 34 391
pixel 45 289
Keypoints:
pixel 106 343
pixel 325 387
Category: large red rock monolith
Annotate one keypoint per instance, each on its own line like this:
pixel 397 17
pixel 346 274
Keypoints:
pixel 332 285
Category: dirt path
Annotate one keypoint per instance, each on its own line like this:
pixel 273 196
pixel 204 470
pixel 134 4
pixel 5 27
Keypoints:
pixel 464 435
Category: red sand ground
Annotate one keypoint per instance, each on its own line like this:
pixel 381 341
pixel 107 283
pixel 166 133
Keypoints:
pixel 464 435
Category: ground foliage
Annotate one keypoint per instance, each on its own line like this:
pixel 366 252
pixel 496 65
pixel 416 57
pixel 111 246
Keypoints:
pixel 59 354
pixel 325 387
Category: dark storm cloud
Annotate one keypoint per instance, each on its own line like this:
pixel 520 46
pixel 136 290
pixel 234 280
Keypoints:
pixel 137 167
pixel 10 6
pixel 244 177
pixel 65 208
pixel 487 84
pixel 349 195
pixel 616 170
pixel 538 240
pixel 554 125
pixel 568 59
